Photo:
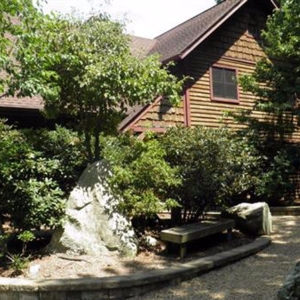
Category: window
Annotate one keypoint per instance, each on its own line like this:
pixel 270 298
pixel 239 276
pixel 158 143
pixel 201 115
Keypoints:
pixel 224 85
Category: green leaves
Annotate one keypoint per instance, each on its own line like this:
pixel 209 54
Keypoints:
pixel 141 177
pixel 37 171
pixel 282 34
pixel 16 19
pixel 274 120
pixel 213 165
pixel 85 69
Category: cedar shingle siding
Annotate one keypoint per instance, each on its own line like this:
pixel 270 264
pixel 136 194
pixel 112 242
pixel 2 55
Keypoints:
pixel 227 35
pixel 230 46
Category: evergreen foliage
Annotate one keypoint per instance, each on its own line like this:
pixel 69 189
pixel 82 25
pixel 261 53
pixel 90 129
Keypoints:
pixel 276 85
pixel 34 178
pixel 215 167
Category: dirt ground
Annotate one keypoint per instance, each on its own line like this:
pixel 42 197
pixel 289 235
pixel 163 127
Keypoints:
pixel 59 265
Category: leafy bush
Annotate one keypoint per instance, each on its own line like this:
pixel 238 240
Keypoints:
pixel 140 175
pixel 214 167
pixel 37 169
pixel 279 165
pixel 61 145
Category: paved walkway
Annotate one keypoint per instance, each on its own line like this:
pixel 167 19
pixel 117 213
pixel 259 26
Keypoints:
pixel 257 277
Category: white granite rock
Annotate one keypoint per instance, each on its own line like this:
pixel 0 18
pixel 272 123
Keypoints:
pixel 251 218
pixel 93 226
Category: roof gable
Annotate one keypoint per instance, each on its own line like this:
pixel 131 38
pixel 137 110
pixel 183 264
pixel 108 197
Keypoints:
pixel 178 42
pixel 174 44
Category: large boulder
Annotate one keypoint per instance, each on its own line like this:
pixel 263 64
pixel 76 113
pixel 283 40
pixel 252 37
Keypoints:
pixel 291 287
pixel 250 218
pixel 93 226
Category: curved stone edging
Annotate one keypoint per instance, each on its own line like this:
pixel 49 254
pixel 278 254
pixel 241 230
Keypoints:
pixel 285 210
pixel 120 287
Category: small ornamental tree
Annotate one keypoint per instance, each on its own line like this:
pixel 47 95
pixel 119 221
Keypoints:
pixel 215 168
pixel 85 69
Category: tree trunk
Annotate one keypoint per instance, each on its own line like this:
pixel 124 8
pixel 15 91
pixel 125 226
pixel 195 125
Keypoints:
pixel 97 146
pixel 176 216
pixel 88 146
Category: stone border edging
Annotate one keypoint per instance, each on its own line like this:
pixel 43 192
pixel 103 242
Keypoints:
pixel 285 210
pixel 120 287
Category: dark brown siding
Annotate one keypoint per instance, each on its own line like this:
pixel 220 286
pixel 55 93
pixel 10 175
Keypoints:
pixel 159 117
pixel 231 46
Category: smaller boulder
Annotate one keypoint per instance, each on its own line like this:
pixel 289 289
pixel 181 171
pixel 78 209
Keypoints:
pixel 291 287
pixel 250 218
pixel 150 241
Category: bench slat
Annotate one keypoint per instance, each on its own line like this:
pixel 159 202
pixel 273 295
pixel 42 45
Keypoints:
pixel 186 233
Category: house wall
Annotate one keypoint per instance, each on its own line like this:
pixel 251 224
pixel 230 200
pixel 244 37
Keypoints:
pixel 230 46
pixel 159 117
pixel 234 45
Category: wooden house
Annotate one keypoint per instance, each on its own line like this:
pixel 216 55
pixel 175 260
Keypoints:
pixel 214 48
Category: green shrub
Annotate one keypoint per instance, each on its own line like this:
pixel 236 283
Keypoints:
pixel 36 175
pixel 214 167
pixel 141 177
pixel 18 262
pixel 279 169
pixel 61 145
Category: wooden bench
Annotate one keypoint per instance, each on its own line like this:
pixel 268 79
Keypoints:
pixel 183 234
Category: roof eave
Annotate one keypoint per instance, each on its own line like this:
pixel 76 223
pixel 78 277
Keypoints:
pixel 139 114
pixel 203 37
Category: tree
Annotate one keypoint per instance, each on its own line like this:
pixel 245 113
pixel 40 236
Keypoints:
pixel 12 14
pixel 85 69
pixel 276 84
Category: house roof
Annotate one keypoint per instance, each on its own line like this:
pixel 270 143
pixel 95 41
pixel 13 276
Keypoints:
pixel 132 112
pixel 174 44
pixel 141 47
pixel 30 103
pixel 179 41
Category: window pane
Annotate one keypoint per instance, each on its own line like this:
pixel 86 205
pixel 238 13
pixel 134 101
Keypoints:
pixel 230 76
pixel 218 75
pixel 218 90
pixel 224 83
pixel 231 91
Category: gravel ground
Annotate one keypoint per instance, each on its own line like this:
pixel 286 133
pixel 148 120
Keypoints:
pixel 258 277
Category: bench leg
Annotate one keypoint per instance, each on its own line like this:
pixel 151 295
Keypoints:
pixel 168 247
pixel 229 234
pixel 183 248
